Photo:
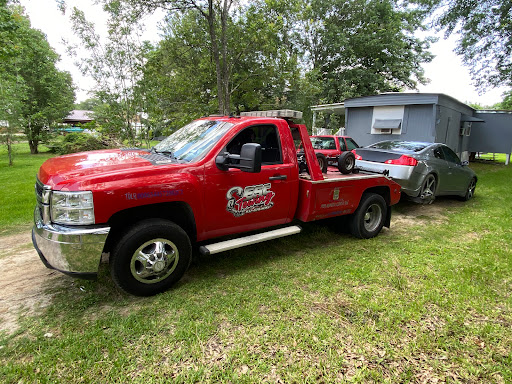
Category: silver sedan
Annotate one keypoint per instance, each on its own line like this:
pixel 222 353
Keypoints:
pixel 424 170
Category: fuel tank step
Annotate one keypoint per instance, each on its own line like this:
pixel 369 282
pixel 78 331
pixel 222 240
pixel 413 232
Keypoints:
pixel 248 240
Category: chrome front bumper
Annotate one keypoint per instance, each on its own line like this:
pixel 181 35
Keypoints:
pixel 72 250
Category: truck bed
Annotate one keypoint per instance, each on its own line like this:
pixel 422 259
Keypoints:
pixel 336 194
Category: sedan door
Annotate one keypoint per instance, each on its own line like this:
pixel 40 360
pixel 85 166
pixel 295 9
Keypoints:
pixel 457 177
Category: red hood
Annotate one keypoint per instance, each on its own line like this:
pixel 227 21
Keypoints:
pixel 84 167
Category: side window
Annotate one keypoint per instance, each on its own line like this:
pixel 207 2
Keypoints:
pixel 438 154
pixel 343 147
pixel 264 135
pixel 450 156
pixel 351 144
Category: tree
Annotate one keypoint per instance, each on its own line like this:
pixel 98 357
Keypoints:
pixel 8 83
pixel 88 104
pixel 228 44
pixel 34 92
pixel 116 65
pixel 363 47
pixel 260 64
pixel 485 35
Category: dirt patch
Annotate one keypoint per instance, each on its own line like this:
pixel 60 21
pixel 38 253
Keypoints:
pixel 24 280
pixel 411 214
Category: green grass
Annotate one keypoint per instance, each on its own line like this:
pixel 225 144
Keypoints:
pixel 17 197
pixel 497 157
pixel 426 301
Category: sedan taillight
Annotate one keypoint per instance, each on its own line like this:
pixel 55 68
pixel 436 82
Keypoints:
pixel 358 157
pixel 403 160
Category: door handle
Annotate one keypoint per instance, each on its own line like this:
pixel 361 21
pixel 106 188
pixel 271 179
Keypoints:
pixel 279 177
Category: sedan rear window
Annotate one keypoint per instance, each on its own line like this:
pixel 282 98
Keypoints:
pixel 400 146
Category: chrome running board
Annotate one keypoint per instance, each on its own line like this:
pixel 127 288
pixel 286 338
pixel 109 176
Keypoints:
pixel 248 240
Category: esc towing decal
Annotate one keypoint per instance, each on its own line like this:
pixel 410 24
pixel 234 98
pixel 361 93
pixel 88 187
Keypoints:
pixel 252 198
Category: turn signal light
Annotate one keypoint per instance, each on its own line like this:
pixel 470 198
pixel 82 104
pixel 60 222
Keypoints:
pixel 403 160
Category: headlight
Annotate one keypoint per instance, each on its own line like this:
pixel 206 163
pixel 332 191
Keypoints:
pixel 75 208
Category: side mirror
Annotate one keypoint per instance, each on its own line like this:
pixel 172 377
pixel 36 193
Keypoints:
pixel 464 163
pixel 249 159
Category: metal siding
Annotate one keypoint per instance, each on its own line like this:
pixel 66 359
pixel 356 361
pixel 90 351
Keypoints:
pixel 358 125
pixel 448 129
pixel 419 125
pixel 392 99
pixel 451 103
pixel 427 117
pixel 495 135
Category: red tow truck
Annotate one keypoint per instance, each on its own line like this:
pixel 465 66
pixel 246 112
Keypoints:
pixel 217 176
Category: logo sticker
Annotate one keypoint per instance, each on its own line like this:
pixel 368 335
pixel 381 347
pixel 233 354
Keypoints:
pixel 250 199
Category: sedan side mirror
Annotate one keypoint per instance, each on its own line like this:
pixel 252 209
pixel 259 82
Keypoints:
pixel 249 159
pixel 464 163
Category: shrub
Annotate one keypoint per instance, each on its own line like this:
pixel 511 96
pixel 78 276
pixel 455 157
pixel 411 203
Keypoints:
pixel 78 142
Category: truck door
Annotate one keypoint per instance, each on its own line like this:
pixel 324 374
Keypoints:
pixel 237 201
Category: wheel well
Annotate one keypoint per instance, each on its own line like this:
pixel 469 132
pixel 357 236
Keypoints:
pixel 383 191
pixel 178 212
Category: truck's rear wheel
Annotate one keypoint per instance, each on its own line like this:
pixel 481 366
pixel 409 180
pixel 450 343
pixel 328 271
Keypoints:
pixel 369 217
pixel 150 257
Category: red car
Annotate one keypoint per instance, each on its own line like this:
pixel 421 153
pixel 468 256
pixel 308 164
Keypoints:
pixel 331 147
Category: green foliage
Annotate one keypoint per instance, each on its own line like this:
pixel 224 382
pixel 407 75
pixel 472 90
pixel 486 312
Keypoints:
pixel 116 66
pixel 258 61
pixel 485 40
pixel 33 92
pixel 364 47
pixel 87 105
pixel 507 101
pixel 78 142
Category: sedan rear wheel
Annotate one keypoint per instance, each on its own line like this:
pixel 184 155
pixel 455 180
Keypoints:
pixel 428 189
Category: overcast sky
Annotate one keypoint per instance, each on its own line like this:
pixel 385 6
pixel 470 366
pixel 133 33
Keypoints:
pixel 446 72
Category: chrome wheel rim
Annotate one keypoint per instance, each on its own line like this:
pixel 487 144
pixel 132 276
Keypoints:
pixel 429 187
pixel 349 163
pixel 471 189
pixel 154 261
pixel 372 217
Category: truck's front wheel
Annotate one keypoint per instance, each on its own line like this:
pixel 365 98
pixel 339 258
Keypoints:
pixel 150 257
pixel 369 217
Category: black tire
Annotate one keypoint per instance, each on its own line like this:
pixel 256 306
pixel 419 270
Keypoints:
pixel 428 189
pixel 470 191
pixel 150 257
pixel 369 217
pixel 322 162
pixel 346 162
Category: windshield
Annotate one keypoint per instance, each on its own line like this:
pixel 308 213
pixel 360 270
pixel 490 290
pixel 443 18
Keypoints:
pixel 400 146
pixel 323 143
pixel 194 140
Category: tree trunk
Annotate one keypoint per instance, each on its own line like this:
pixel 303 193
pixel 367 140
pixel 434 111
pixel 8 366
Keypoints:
pixel 33 144
pixel 9 149
pixel 225 67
